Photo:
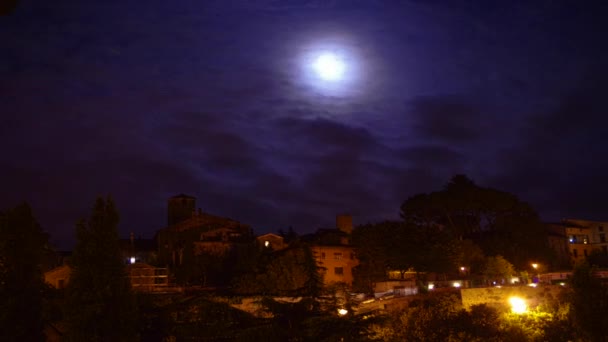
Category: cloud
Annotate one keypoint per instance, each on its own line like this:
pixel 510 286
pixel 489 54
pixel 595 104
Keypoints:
pixel 447 119
pixel 560 164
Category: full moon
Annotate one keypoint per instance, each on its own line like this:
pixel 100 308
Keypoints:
pixel 329 67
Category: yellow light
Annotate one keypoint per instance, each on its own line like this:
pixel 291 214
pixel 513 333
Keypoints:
pixel 342 312
pixel 518 305
pixel 456 284
pixel 431 286
pixel 462 268
pixel 535 265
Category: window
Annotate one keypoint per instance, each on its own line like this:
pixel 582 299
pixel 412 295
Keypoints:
pixel 322 255
pixel 602 238
pixel 585 252
pixel 352 256
pixel 338 270
pixel 575 252
pixel 338 256
pixel 266 243
pixel 600 228
pixel 605 249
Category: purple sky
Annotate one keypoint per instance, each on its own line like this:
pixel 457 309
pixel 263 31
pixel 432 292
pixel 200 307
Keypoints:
pixel 212 98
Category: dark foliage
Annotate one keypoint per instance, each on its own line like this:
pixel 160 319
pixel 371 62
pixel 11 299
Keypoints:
pixel 100 304
pixel 22 246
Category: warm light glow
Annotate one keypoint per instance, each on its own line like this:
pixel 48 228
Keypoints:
pixel 562 284
pixel 342 312
pixel 456 284
pixel 266 243
pixel 532 285
pixel 535 265
pixel 132 260
pixel 329 67
pixel 431 286
pixel 463 268
pixel 518 305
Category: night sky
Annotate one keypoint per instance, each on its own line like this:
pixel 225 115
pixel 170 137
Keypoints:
pixel 218 99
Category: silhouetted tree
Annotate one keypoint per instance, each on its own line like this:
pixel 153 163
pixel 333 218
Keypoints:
pixel 397 246
pixel 100 304
pixel 22 246
pixel 589 300
pixel 496 221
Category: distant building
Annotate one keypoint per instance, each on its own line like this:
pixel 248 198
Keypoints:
pixel 333 253
pixel 189 235
pixel 271 242
pixel 58 277
pixel 575 239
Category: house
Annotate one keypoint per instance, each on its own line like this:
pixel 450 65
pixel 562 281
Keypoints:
pixel 192 233
pixel 333 253
pixel 572 240
pixel 271 242
pixel 58 277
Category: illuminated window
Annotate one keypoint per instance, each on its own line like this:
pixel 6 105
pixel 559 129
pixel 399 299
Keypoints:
pixel 266 243
pixel 338 256
pixel 338 271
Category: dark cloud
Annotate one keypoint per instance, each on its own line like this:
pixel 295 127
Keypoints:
pixel 560 163
pixel 448 119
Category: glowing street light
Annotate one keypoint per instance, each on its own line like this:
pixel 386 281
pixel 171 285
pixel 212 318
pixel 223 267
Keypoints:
pixel 342 312
pixel 535 266
pixel 518 305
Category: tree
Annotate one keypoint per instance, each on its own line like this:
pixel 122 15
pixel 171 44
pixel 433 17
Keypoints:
pixel 398 246
pixel 22 246
pixel 589 303
pixel 498 269
pixel 100 304
pixel 496 221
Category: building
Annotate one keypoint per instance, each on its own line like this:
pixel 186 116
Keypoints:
pixel 192 233
pixel 574 239
pixel 58 277
pixel 333 253
pixel 271 242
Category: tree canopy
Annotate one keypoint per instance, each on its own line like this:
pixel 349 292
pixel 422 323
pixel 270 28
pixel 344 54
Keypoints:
pixel 100 303
pixel 496 221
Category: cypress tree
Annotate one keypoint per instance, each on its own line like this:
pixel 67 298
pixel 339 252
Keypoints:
pixel 100 304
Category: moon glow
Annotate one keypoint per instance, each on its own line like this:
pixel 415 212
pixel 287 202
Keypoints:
pixel 329 67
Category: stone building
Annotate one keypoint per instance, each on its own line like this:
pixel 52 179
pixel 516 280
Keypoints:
pixel 333 253
pixel 197 234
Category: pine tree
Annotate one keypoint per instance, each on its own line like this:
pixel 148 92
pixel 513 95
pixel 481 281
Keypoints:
pixel 22 245
pixel 100 303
